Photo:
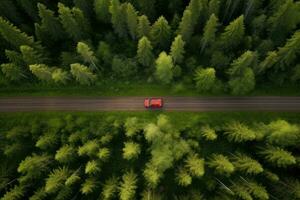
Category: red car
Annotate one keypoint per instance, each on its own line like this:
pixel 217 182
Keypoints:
pixel 153 103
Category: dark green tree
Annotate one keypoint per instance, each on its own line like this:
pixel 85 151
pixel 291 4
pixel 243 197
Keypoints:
pixel 143 28
pixel 205 79
pixel 132 20
pixel 177 50
pixel 12 72
pixel 101 8
pixel 160 33
pixel 118 18
pixel 144 52
pixel 186 26
pixel 210 31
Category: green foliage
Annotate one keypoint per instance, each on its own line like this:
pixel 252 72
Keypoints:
pixel 238 132
pixel 144 52
pixel 205 79
pixel 208 133
pixel 124 68
pixel 42 72
pixel 177 50
pixel 90 148
pixel 164 66
pixel 118 20
pixel 92 167
pixel 65 154
pixel 82 74
pixel 221 164
pixel 60 77
pixel 128 186
pixel 15 193
pixel 278 156
pixel 186 26
pixel 210 30
pixel 101 8
pixel 31 56
pixel 132 126
pixel 131 150
pixel 104 154
pixel 195 165
pixel 47 141
pixel 56 179
pixel 143 27
pixel 183 177
pixel 110 188
pixel 160 33
pixel 71 180
pixel 12 72
pixel 246 164
pixel 87 55
pixel 132 21
pixel 88 186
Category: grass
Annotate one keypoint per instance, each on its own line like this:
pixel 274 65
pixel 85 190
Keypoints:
pixel 139 88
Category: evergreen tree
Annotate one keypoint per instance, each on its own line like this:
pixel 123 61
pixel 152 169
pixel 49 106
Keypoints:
pixel 15 58
pixel 103 154
pixel 56 179
pixel 246 164
pixel 271 59
pixel 164 66
pixel 82 74
pixel 143 28
pixel 195 9
pixel 89 186
pixel 233 34
pixel 238 132
pixel 186 26
pixel 284 20
pixel 65 154
pixel 132 21
pixel 12 72
pixel 29 7
pixel 110 188
pixel 195 165
pixel 128 186
pixel 131 150
pixel 183 177
pixel 117 18
pixel 177 50
pixel 31 56
pixel 42 72
pixel 13 35
pixel 92 167
pixel 90 148
pixel 278 156
pixel 214 7
pixel 221 164
pixel 148 8
pixel 132 126
pixel 60 77
pixel 87 55
pixel 144 52
pixel 205 79
pixel 16 193
pixel 210 30
pixel 50 23
pixel 208 133
pixel 160 33
pixel 74 178
pixel 104 52
pixel 101 8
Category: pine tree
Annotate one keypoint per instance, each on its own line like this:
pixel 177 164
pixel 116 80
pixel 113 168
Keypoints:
pixel 110 188
pixel 210 30
pixel 132 20
pixel 195 8
pixel 90 148
pixel 56 179
pixel 74 178
pixel 221 164
pixel 186 26
pixel 284 20
pixel 148 8
pixel 65 154
pixel 31 56
pixel 89 186
pixel 246 164
pixel 278 156
pixel 195 165
pixel 92 167
pixel 15 58
pixel 151 195
pixel 160 33
pixel 208 133
pixel 104 52
pixel 257 190
pixel 183 177
pixel 42 72
pixel 12 72
pixel 214 7
pixel 271 59
pixel 131 150
pixel 205 79
pixel 233 34
pixel 143 28
pixel 104 154
pixel 164 66
pixel 16 193
pixel 152 176
pixel 87 55
pixel 101 8
pixel 128 186
pixel 82 74
pixel 238 132
pixel 13 35
pixel 50 23
pixel 177 50
pixel 117 18
pixel 29 6
pixel 144 52
pixel 60 77
pixel 132 126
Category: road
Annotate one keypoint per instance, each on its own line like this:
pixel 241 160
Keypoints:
pixel 197 104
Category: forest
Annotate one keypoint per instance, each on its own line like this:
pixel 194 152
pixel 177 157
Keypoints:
pixel 70 156
pixel 215 46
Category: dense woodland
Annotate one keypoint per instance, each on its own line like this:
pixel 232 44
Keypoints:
pixel 214 45
pixel 80 157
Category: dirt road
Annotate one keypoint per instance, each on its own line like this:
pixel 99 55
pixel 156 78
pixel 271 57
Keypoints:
pixel 197 104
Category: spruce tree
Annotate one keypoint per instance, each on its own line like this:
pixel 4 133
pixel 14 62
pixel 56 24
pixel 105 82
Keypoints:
pixel 131 150
pixel 160 33
pixel 177 50
pixel 144 52
pixel 143 28
pixel 132 20
pixel 128 186
pixel 50 23
pixel 195 165
pixel 87 55
pixel 118 18
pixel 221 164
pixel 82 74
pixel 132 126
pixel 238 132
pixel 13 35
pixel 92 167
pixel 214 7
pixel 209 34
pixel 183 177
pixel 186 26
pixel 65 154
pixel 233 34
pixel 110 188
pixel 278 157
pixel 12 72
pixel 31 56
pixel 205 79
pixel 246 164
pixel 88 186
pixel 29 6
pixel 195 9
pixel 15 58
pixel 60 76
pixel 208 133
pixel 164 67
pixel 42 72
pixel 56 179
pixel 271 59
pixel 101 8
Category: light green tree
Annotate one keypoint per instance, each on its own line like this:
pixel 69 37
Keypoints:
pixel 118 18
pixel 208 133
pixel 238 132
pixel 89 186
pixel 210 30
pixel 278 156
pixel 65 154
pixel 128 186
pixel 186 26
pixel 177 50
pixel 144 52
pixel 221 164
pixel 143 28
pixel 92 167
pixel 195 8
pixel 56 179
pixel 195 165
pixel 101 8
pixel 131 150
pixel 42 72
pixel 104 154
pixel 233 34
pixel 246 164
pixel 82 74
pixel 31 56
pixel 164 66
pixel 160 33
pixel 110 188
pixel 90 148
pixel 60 76
pixel 205 79
pixel 132 20
pixel 87 55
pixel 132 126
pixel 183 177
pixel 12 72
pixel 271 59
